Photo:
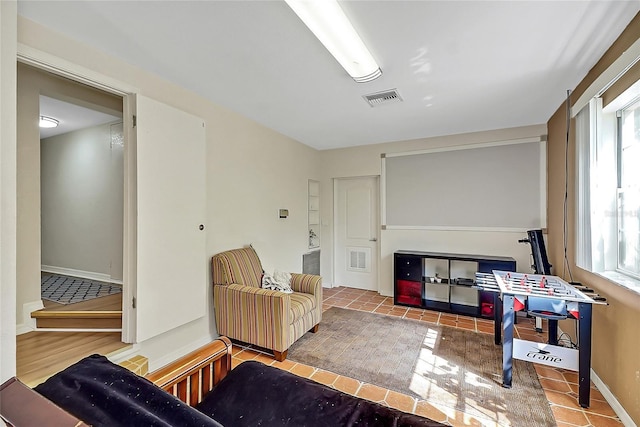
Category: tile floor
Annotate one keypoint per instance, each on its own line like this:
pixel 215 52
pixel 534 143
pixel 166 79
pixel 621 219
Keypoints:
pixel 560 386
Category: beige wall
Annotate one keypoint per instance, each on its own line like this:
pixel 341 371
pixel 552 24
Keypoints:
pixel 365 161
pixel 31 84
pixel 616 337
pixel 251 173
pixel 78 201
pixel 8 13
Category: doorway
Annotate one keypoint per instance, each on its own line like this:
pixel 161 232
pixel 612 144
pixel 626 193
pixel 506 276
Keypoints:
pixel 356 219
pixel 70 220
pixel 81 194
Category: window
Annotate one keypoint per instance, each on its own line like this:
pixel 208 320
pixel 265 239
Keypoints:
pixel 628 207
pixel 608 188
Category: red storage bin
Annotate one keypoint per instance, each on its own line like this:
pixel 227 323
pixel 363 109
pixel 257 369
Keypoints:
pixel 486 309
pixel 409 292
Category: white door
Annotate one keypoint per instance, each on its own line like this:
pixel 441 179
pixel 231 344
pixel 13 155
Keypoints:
pixel 171 279
pixel 356 232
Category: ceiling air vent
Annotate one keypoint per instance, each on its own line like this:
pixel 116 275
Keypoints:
pixel 382 98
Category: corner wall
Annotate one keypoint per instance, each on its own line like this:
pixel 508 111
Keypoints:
pixel 251 173
pixel 616 337
pixel 365 161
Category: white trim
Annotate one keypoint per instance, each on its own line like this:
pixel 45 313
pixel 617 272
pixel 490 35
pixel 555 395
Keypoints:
pixel 616 70
pixel 28 323
pixel 23 329
pixel 611 399
pixel 335 230
pixel 62 67
pixel 124 353
pixel 383 191
pixel 176 354
pixel 451 228
pixel 467 146
pixel 100 277
pixel 77 330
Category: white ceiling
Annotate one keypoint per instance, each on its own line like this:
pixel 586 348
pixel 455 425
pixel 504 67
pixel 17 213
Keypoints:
pixel 71 117
pixel 460 66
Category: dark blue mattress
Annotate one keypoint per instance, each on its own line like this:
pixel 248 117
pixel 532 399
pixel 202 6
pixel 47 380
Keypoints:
pixel 101 393
pixel 253 394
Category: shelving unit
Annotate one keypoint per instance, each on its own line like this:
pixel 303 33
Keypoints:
pixel 314 214
pixel 445 282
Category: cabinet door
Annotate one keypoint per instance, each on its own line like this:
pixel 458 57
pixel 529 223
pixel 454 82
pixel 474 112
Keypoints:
pixel 409 268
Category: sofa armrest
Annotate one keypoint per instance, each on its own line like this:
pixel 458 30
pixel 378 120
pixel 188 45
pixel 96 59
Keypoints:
pixel 192 376
pixel 307 283
pixel 234 304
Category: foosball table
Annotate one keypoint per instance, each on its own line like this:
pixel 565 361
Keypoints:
pixel 548 297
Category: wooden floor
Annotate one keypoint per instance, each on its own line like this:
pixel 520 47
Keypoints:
pixel 41 354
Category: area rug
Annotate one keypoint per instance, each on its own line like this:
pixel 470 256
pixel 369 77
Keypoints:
pixel 69 290
pixel 448 367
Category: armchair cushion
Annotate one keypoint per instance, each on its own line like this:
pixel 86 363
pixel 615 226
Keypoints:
pixel 301 304
pixel 239 266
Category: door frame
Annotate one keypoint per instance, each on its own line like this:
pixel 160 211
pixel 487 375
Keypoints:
pixel 56 65
pixel 335 228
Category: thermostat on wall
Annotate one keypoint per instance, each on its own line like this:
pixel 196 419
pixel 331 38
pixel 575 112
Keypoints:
pixel 284 213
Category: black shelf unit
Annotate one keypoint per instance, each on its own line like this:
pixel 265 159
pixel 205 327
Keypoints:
pixel 417 281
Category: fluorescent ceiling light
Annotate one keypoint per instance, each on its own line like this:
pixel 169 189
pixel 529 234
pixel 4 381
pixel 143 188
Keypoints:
pixel 330 25
pixel 48 122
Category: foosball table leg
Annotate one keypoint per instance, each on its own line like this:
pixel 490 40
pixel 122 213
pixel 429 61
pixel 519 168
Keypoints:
pixel 584 357
pixel 553 331
pixel 497 319
pixel 508 317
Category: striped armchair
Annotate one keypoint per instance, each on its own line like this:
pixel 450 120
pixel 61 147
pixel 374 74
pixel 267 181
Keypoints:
pixel 270 319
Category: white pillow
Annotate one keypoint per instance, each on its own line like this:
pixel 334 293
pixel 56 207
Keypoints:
pixel 280 281
pixel 282 277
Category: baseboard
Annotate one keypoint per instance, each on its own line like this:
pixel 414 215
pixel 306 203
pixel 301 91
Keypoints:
pixel 28 324
pixel 176 354
pixel 609 397
pixel 615 405
pixel 123 354
pixel 100 277
pixel 23 329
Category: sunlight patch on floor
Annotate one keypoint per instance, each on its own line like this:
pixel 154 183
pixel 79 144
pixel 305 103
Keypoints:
pixel 432 373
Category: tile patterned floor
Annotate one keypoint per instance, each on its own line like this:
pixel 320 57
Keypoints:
pixel 69 290
pixel 560 386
